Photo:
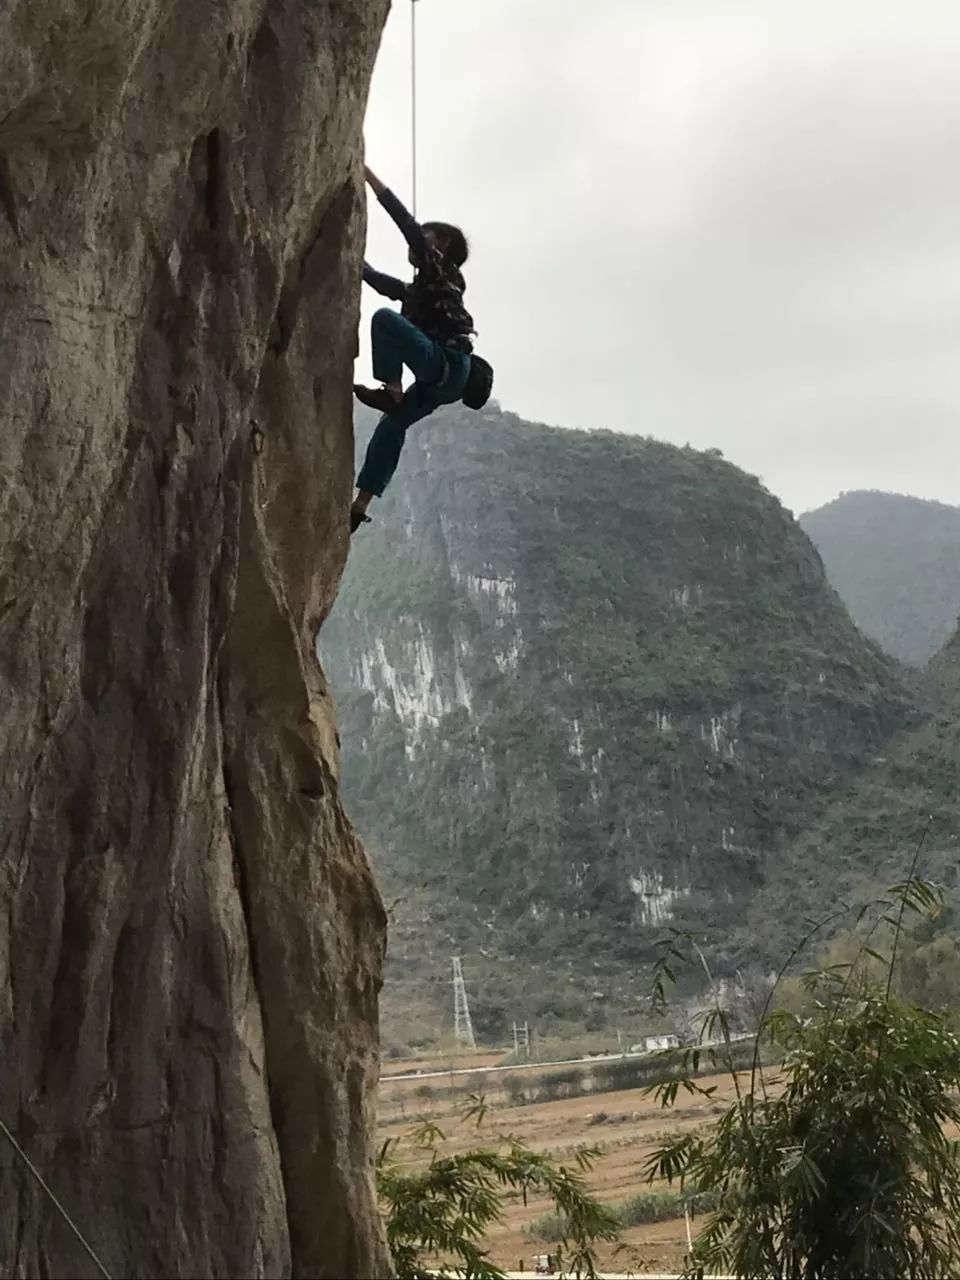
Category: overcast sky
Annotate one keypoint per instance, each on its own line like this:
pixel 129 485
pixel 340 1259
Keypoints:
pixel 730 224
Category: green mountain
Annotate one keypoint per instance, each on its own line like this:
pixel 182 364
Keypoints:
pixel 895 562
pixel 589 686
pixel 906 800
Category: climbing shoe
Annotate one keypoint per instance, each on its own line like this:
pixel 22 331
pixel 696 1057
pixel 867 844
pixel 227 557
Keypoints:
pixel 376 398
pixel 357 518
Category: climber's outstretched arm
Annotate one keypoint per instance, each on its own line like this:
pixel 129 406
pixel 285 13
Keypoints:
pixel 412 231
pixel 386 286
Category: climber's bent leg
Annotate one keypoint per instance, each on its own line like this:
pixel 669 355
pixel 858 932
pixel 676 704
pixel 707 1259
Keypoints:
pixel 396 342
pixel 386 443
pixel 441 376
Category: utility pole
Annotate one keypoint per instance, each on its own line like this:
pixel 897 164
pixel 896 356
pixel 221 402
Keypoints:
pixel 521 1036
pixel 462 1026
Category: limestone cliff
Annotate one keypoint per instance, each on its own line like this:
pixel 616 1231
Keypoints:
pixel 591 686
pixel 190 938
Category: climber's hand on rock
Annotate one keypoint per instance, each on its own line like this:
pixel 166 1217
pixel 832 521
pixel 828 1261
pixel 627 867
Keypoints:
pixel 378 186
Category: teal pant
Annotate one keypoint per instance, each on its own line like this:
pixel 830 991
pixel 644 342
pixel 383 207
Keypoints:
pixel 441 375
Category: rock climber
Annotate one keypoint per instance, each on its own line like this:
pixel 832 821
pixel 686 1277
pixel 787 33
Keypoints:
pixel 432 335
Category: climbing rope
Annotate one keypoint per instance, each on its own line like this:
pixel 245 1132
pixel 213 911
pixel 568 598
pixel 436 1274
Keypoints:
pixel 22 1155
pixel 413 101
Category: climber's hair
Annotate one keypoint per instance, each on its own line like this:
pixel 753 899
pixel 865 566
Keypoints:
pixel 455 245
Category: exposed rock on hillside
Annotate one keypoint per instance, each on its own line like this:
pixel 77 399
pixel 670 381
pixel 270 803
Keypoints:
pixel 191 938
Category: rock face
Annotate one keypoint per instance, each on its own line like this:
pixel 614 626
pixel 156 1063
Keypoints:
pixel 190 937
pixel 591 686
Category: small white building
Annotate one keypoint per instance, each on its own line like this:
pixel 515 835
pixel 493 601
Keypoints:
pixel 653 1044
